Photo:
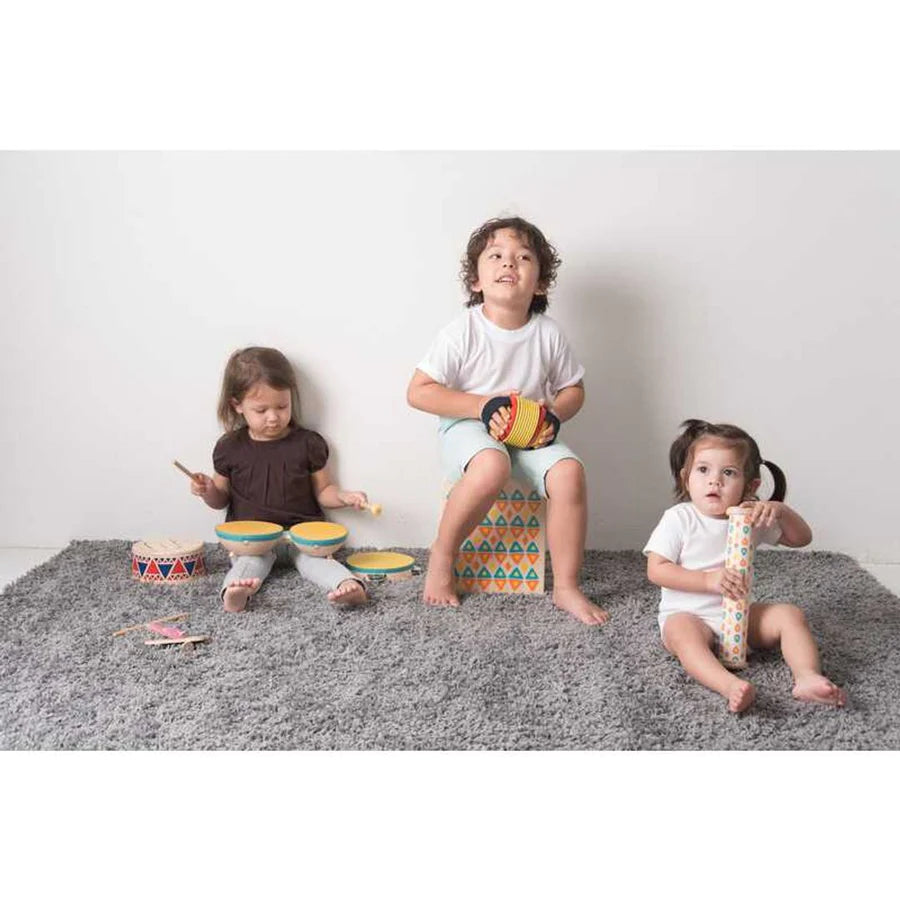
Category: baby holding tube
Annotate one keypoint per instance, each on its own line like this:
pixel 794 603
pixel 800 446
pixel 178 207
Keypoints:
pixel 704 612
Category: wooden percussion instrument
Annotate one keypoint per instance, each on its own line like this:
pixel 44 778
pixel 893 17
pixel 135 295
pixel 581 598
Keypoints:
pixel 248 537
pixel 395 566
pixel 318 538
pixel 527 419
pixel 166 560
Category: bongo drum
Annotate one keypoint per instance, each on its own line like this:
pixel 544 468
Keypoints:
pixel 166 561
pixel 248 537
pixel 318 538
pixel 395 566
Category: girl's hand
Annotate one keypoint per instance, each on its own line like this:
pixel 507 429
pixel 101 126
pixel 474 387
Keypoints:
pixel 726 582
pixel 765 512
pixel 356 499
pixel 201 485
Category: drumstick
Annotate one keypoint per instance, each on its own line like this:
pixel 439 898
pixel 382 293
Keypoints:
pixel 184 469
pixel 191 638
pixel 148 624
pixel 374 508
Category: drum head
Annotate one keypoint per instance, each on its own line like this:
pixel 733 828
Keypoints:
pixel 318 534
pixel 380 562
pixel 166 547
pixel 249 530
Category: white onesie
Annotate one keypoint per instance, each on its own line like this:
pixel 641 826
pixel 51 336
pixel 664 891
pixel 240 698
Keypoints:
pixel 690 539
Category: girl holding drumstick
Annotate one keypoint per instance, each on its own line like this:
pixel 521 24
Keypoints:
pixel 269 468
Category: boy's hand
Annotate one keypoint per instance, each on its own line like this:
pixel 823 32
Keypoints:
pixel 765 512
pixel 356 499
pixel 726 582
pixel 500 418
pixel 202 485
pixel 548 432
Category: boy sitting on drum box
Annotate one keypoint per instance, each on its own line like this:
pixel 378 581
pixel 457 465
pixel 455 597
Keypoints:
pixel 504 345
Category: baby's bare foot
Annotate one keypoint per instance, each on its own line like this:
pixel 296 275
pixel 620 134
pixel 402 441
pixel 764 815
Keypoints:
pixel 574 602
pixel 817 688
pixel 438 589
pixel 740 695
pixel 234 599
pixel 348 593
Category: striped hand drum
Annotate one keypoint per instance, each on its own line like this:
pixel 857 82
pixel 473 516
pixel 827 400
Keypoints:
pixel 527 419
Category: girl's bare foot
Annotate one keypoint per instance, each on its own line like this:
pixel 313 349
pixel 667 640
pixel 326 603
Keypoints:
pixel 574 602
pixel 235 596
pixel 816 688
pixel 740 695
pixel 349 592
pixel 438 590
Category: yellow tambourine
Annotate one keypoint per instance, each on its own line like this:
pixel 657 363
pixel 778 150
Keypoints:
pixel 381 562
pixel 318 538
pixel 248 537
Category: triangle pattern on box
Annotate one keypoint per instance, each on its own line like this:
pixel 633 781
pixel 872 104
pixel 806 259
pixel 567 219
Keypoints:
pixel 506 551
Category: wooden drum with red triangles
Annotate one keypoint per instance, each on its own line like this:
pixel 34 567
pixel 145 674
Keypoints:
pixel 166 561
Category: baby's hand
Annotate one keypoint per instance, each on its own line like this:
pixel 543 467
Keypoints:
pixel 765 512
pixel 356 499
pixel 726 582
pixel 201 485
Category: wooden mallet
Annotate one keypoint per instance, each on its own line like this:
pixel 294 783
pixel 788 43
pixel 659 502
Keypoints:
pixel 184 469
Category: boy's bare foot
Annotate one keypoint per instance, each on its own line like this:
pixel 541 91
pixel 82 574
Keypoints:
pixel 439 590
pixel 817 688
pixel 740 695
pixel 574 602
pixel 349 593
pixel 234 599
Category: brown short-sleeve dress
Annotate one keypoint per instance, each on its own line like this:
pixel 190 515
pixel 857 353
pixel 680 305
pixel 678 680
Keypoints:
pixel 271 480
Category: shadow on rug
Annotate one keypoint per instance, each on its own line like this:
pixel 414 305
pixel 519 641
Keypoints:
pixel 507 673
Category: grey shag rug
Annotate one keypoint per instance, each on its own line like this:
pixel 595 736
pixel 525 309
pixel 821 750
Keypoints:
pixel 509 673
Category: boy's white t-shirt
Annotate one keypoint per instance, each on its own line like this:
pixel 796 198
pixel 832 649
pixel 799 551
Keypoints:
pixel 474 355
pixel 690 539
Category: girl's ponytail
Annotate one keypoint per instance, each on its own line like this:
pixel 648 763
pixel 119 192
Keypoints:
pixel 780 490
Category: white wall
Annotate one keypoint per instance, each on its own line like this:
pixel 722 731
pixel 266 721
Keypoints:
pixel 755 288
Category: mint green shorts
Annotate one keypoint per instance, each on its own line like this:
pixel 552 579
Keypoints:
pixel 461 439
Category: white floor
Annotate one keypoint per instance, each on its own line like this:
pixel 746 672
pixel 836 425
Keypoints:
pixel 16 561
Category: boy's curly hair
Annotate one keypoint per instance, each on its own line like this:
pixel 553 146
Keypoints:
pixel 548 259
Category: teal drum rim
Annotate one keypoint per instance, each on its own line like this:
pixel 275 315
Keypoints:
pixel 324 542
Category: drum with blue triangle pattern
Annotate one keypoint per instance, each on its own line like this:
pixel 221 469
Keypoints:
pixel 167 560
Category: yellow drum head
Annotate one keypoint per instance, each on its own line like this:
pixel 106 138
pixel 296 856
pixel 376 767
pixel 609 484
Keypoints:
pixel 318 534
pixel 249 530
pixel 380 562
